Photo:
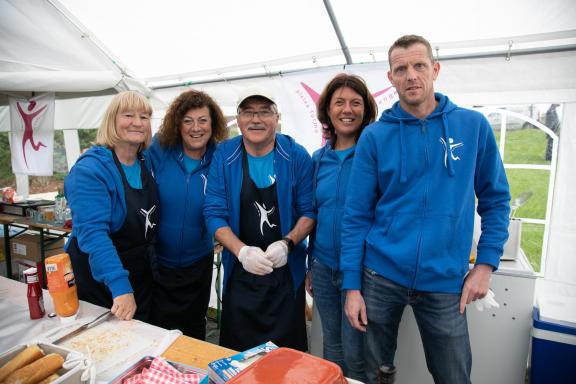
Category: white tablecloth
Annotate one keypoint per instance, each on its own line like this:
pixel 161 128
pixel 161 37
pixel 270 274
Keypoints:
pixel 113 346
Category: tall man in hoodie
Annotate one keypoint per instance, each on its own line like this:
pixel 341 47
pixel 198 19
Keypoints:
pixel 259 207
pixel 407 239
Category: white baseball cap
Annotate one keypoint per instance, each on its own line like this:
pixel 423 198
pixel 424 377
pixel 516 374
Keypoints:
pixel 255 92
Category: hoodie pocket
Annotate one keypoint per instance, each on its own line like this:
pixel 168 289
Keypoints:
pixel 439 249
pixel 393 242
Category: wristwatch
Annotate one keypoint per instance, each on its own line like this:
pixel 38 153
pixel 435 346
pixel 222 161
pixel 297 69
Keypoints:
pixel 289 243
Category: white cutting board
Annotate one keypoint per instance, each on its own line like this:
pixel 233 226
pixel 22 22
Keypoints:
pixel 115 345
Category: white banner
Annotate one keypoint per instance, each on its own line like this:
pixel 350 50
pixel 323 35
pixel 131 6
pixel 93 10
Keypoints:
pixel 300 92
pixel 32 135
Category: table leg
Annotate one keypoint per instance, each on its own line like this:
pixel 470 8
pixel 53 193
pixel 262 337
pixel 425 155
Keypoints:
pixel 7 255
pixel 42 257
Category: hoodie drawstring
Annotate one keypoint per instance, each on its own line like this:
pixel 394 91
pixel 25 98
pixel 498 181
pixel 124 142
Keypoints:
pixel 403 155
pixel 449 161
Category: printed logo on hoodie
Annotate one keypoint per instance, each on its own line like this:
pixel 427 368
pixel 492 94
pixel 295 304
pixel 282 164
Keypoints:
pixel 452 148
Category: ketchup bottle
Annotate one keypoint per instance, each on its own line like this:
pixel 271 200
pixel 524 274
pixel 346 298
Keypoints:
pixel 35 299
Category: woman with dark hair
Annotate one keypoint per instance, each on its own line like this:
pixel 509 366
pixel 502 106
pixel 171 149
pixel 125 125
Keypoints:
pixel 345 107
pixel 179 158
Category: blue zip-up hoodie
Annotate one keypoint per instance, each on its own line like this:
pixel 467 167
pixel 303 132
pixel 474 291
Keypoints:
pixel 293 169
pixel 182 236
pixel 95 194
pixel 409 212
pixel 330 184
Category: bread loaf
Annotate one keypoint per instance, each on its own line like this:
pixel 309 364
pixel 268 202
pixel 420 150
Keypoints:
pixel 50 379
pixel 25 357
pixel 37 371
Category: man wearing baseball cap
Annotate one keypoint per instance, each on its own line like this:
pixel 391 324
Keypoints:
pixel 259 207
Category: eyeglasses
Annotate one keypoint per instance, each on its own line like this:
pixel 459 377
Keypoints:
pixel 201 122
pixel 249 115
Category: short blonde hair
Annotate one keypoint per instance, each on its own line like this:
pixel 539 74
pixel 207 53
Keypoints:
pixel 122 102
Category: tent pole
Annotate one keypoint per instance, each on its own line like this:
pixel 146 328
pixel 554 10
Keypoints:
pixel 22 186
pixel 334 22
pixel 499 53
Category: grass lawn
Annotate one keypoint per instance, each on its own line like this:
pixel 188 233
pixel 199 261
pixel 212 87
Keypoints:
pixel 528 146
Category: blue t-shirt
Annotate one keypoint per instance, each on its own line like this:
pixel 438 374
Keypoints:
pixel 262 169
pixel 190 164
pixel 342 153
pixel 132 173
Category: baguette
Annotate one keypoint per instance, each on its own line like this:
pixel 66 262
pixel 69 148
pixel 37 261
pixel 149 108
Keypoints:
pixel 25 357
pixel 37 371
pixel 50 379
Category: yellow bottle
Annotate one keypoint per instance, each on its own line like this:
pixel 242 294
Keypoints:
pixel 61 285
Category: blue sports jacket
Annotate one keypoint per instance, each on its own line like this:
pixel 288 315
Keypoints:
pixel 293 169
pixel 330 184
pixel 95 194
pixel 409 212
pixel 182 235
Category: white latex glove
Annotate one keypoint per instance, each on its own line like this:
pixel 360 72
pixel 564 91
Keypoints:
pixel 277 253
pixel 254 260
pixel 487 302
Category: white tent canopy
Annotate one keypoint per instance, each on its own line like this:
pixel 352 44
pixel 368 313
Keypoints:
pixel 492 53
pixel 43 48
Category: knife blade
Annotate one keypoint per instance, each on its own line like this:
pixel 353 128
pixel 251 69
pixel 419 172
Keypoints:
pixel 101 318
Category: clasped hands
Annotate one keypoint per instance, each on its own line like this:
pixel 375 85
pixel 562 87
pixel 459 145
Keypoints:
pixel 258 262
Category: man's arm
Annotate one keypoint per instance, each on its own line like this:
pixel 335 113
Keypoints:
pixel 303 227
pixel 493 194
pixel 355 310
pixel 228 239
pixel 359 211
pixel 358 218
pixel 476 285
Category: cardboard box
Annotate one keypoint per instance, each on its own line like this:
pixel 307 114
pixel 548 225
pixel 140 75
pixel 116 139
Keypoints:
pixel 222 370
pixel 27 246
pixel 25 252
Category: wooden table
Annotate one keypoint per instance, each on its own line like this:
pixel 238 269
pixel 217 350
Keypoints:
pixel 55 231
pixel 195 353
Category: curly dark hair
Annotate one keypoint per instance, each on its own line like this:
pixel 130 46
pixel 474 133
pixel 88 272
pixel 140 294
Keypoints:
pixel 357 84
pixel 169 132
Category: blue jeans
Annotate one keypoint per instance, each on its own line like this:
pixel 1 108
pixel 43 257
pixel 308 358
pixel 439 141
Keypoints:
pixel 343 344
pixel 444 331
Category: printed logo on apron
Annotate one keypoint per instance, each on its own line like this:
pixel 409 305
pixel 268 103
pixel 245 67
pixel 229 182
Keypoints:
pixel 149 223
pixel 263 214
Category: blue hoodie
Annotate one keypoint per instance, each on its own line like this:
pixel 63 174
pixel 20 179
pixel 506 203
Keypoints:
pixel 331 177
pixel 409 212
pixel 293 169
pixel 182 236
pixel 95 194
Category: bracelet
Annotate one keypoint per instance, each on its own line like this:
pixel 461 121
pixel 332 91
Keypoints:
pixel 289 243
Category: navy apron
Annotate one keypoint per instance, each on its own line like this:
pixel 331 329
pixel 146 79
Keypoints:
pixel 181 297
pixel 257 309
pixel 133 243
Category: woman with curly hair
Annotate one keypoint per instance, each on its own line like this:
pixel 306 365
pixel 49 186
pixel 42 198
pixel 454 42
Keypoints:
pixel 179 159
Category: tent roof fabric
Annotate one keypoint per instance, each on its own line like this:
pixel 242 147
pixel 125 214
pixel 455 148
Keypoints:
pixel 193 42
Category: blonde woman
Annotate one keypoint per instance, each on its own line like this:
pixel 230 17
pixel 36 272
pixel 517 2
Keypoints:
pixel 114 204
